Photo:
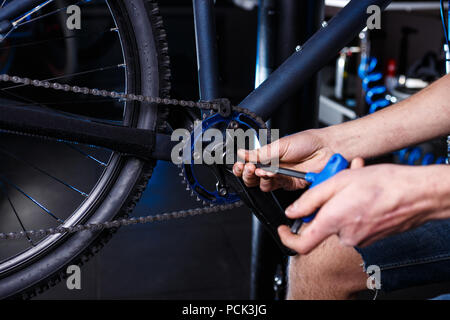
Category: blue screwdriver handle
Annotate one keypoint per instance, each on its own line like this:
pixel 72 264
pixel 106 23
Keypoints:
pixel 336 164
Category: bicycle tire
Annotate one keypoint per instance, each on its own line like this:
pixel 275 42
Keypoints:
pixel 145 47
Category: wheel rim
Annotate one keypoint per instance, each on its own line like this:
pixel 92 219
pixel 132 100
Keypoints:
pixel 86 206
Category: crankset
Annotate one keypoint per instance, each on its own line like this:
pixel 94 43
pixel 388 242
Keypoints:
pixel 222 117
pixel 215 137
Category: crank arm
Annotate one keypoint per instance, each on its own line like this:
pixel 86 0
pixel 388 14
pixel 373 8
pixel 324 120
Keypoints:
pixel 144 144
pixel 265 206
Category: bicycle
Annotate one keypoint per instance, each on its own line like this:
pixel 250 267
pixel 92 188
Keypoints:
pixel 120 133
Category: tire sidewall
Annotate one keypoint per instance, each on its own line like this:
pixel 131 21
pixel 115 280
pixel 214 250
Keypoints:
pixel 78 246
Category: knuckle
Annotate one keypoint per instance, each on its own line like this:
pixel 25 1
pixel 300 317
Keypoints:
pixel 251 182
pixel 348 241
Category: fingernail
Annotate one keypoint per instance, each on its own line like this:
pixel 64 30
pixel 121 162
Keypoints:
pixel 289 210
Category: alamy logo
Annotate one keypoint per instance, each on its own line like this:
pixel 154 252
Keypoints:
pixel 73 281
pixel 74 19
pixel 374 280
pixel 374 20
pixel 214 146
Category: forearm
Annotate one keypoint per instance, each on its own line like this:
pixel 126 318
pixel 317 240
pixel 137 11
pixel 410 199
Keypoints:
pixel 437 181
pixel 422 117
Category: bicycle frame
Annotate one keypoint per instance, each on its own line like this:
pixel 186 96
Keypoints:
pixel 295 71
pixel 264 101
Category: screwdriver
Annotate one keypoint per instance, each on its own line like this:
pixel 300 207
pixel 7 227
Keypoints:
pixel 284 171
pixel 336 164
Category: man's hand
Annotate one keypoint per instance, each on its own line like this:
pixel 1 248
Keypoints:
pixel 304 151
pixel 363 205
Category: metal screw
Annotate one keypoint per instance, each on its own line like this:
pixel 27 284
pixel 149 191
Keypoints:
pixel 223 192
pixel 233 125
pixel 324 24
pixel 298 48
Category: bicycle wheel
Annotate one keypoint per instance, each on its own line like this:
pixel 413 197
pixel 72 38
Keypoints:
pixel 50 183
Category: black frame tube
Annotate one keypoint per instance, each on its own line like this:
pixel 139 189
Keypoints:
pixel 136 142
pixel 317 51
pixel 207 57
pixel 298 22
pixel 265 254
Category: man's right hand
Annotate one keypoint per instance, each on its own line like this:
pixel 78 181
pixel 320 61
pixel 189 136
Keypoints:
pixel 304 151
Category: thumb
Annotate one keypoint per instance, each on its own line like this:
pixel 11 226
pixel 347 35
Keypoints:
pixel 357 163
pixel 262 155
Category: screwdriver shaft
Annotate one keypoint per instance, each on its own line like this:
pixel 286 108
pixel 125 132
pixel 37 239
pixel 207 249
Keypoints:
pixel 282 171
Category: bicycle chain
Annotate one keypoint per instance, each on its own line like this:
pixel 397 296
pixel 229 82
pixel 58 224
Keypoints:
pixel 203 105
pixel 119 223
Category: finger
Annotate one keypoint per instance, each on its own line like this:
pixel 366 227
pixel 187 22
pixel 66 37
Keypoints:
pixel 316 232
pixel 249 177
pixel 267 185
pixel 357 163
pixel 268 180
pixel 238 169
pixel 292 184
pixel 262 155
pixel 264 174
pixel 312 199
pixel 288 239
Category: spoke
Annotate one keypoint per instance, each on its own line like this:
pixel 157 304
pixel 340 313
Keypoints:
pixel 30 13
pixel 5 192
pixel 11 155
pixel 66 114
pixel 100 69
pixel 72 146
pixel 44 104
pixel 18 96
pixel 2 38
pixel 18 22
pixel 47 14
pixel 27 44
pixel 31 103
pixel 3 3
pixel 2 177
pixel 23 104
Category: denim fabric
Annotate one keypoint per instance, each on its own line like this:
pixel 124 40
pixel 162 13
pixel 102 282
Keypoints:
pixel 416 257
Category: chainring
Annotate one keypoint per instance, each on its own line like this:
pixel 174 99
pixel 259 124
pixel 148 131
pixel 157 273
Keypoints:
pixel 191 159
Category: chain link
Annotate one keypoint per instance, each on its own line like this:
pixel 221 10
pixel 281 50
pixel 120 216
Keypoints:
pixel 119 223
pixel 203 105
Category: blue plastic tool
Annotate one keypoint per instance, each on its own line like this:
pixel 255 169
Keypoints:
pixel 336 164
